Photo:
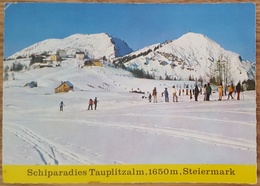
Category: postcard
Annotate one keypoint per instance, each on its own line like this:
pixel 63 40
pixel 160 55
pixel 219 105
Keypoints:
pixel 129 93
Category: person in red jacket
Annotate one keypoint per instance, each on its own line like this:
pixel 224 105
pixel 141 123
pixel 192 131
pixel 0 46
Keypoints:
pixel 154 95
pixel 90 104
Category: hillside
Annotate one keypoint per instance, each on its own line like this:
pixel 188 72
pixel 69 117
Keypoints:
pixel 190 56
pixel 94 45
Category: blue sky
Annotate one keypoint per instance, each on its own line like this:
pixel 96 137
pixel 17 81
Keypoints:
pixel 139 25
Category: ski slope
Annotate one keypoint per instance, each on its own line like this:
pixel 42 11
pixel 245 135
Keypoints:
pixel 125 128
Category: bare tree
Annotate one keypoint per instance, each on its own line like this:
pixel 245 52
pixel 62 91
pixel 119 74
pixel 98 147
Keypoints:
pixel 220 71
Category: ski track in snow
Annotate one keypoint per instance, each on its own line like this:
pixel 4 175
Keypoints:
pixel 45 148
pixel 201 118
pixel 202 137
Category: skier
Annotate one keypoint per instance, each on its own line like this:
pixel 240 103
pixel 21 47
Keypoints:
pixel 208 91
pixel 205 92
pixel 238 90
pixel 233 89
pixel 230 91
pixel 174 94
pixel 154 95
pixel 166 95
pixel 61 105
pixel 220 92
pixel 95 103
pixel 196 92
pixel 150 97
pixel 187 91
pixel 90 105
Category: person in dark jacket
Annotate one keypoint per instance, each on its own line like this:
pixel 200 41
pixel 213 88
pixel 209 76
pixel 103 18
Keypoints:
pixel 208 92
pixel 95 103
pixel 166 95
pixel 61 105
pixel 238 90
pixel 150 97
pixel 196 92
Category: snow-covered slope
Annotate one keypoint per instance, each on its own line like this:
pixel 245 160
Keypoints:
pixel 192 55
pixel 94 45
pixel 125 128
pixel 250 68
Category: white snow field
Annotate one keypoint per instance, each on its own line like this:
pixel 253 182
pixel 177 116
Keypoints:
pixel 125 129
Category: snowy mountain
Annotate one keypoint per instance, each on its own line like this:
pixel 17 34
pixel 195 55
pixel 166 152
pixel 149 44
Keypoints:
pixel 250 68
pixel 94 45
pixel 190 56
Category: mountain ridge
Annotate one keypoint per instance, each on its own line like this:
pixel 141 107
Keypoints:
pixel 94 45
pixel 189 57
pixel 193 55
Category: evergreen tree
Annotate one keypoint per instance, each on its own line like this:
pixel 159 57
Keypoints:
pixel 249 84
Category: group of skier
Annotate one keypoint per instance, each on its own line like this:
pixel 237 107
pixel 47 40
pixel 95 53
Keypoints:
pixel 90 104
pixel 206 91
pixel 231 89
